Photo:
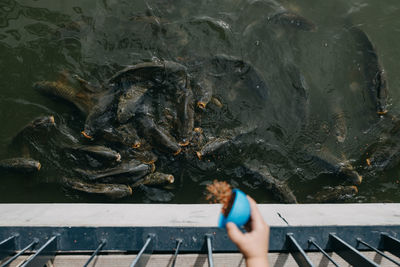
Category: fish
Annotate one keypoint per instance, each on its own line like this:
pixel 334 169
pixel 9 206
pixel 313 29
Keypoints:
pixel 376 81
pixel 128 103
pixel 158 135
pixel 74 96
pixel 155 178
pixel 21 165
pixel 335 194
pixel 125 172
pixel 102 153
pixel 279 189
pixel 185 116
pixel 204 90
pixel 291 19
pixel 212 147
pixel 37 124
pixel 113 191
pixel 124 134
pixel 325 162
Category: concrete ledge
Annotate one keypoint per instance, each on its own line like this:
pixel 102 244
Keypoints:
pixel 181 215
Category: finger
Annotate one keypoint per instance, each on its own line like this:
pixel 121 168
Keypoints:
pixel 257 220
pixel 247 226
pixel 234 233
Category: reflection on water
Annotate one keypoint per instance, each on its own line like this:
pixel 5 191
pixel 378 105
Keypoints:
pixel 314 116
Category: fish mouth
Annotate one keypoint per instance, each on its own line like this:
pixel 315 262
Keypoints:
pixel 177 152
pixel 198 130
pixel 148 161
pixel 38 166
pixel 130 190
pixel 368 161
pixel 86 135
pixel 355 189
pixel 136 145
pixel 52 120
pixel 184 143
pixel 170 179
pixel 118 157
pixel 351 175
pixel 199 155
pixel 201 104
pixel 358 180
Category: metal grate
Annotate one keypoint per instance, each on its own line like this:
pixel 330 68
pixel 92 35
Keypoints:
pixel 43 243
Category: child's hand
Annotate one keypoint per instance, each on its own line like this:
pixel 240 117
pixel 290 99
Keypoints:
pixel 254 243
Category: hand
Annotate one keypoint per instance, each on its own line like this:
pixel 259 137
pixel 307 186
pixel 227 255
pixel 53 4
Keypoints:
pixel 254 243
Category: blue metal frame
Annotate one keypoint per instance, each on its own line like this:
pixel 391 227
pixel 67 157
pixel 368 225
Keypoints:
pixel 132 238
pixel 206 240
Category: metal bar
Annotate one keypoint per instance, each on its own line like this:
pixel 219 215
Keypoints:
pixel 209 250
pixel 391 244
pixel 142 261
pixel 359 240
pixel 350 254
pixel 31 245
pixel 7 246
pixel 178 245
pixel 43 254
pixel 312 242
pixel 297 252
pixel 103 242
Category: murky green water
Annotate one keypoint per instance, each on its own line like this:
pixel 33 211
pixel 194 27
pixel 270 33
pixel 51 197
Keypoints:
pixel 94 39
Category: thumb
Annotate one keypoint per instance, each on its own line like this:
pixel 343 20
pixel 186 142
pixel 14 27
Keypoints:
pixel 234 233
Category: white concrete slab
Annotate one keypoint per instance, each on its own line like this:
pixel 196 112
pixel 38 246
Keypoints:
pixel 336 214
pixel 193 215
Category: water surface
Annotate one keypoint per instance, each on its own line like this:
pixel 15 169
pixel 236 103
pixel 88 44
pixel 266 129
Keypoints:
pixel 94 39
